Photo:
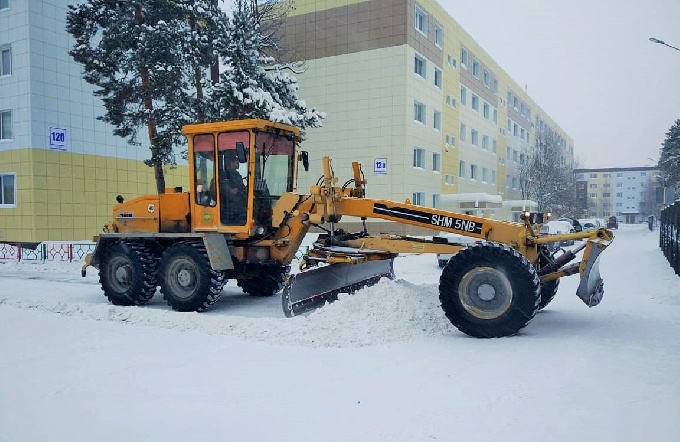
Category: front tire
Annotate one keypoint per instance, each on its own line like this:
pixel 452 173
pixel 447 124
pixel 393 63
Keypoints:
pixel 128 273
pixel 188 282
pixel 489 290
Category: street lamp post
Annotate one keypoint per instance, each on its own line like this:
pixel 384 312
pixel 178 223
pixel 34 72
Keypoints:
pixel 661 42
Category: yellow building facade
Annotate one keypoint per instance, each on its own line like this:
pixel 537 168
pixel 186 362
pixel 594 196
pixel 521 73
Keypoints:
pixel 405 86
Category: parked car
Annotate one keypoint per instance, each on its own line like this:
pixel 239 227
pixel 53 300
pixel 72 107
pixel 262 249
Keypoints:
pixel 590 223
pixel 453 238
pixel 612 223
pixel 557 228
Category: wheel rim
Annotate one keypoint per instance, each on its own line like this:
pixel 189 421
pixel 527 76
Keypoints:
pixel 485 292
pixel 182 277
pixel 121 274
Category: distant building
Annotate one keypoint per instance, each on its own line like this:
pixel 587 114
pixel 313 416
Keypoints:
pixel 413 97
pixel 631 194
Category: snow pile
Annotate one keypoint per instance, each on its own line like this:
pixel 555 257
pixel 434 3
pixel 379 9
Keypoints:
pixel 390 311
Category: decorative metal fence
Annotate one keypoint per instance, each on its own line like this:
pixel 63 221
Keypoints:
pixel 669 235
pixel 45 251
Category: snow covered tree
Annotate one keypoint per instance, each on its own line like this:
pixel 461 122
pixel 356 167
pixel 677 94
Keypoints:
pixel 545 174
pixel 147 58
pixel 253 85
pixel 669 160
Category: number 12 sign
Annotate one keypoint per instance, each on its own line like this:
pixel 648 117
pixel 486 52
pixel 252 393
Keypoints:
pixel 58 139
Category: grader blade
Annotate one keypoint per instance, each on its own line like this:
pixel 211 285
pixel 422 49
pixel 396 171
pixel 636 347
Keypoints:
pixel 311 289
pixel 591 287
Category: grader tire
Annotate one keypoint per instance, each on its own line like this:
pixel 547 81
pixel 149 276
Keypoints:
pixel 128 273
pixel 188 283
pixel 267 280
pixel 489 290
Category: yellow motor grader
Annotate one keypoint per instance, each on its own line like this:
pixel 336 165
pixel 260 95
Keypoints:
pixel 243 219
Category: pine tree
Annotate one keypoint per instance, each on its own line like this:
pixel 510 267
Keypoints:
pixel 669 160
pixel 253 85
pixel 147 60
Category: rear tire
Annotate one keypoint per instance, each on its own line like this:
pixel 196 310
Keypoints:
pixel 188 282
pixel 128 273
pixel 489 290
pixel 264 280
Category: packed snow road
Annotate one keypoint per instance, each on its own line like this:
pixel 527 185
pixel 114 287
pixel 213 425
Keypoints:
pixel 382 365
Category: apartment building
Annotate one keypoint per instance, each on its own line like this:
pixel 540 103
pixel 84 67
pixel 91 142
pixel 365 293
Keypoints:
pixel 60 167
pixel 631 194
pixel 413 97
pixel 408 92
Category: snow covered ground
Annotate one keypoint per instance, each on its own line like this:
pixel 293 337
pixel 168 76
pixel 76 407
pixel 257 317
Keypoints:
pixel 382 365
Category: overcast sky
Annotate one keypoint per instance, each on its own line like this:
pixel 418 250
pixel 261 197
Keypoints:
pixel 590 65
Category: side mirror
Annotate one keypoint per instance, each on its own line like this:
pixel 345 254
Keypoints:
pixel 241 152
pixel 305 160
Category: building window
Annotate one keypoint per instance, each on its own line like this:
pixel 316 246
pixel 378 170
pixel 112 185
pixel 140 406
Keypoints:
pixel 475 68
pixel 619 175
pixel 486 110
pixel 435 201
pixel 486 77
pixel 419 157
pixel 420 66
pixel 461 169
pixel 494 146
pixel 495 116
pixel 509 125
pixel 606 194
pixel 606 175
pixel 418 198
pixel 451 60
pixel 592 195
pixel 438 36
pixel 495 86
pixel 421 20
pixel 436 162
pixel 419 112
pixel 463 132
pixel 6 60
pixel 485 142
pixel 619 184
pixel 593 186
pixel 493 177
pixel 485 174
pixel 8 189
pixel 474 137
pixel 473 172
pixel 437 120
pixel 643 173
pixel 6 125
pixel 514 129
pixel 475 102
pixel 450 101
pixel 463 57
pixel 438 77
pixel 593 175
pixel 619 195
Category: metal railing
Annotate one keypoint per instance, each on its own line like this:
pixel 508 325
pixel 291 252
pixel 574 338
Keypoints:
pixel 669 235
pixel 45 251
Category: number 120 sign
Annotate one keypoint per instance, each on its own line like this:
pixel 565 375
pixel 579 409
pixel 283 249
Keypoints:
pixel 58 139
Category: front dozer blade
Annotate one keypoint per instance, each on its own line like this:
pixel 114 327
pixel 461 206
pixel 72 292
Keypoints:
pixel 311 289
pixel 591 287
